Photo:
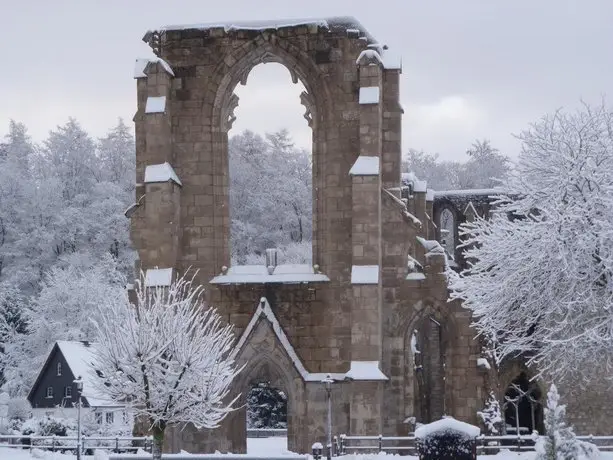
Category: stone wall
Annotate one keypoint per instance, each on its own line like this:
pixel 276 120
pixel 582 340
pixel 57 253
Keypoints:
pixel 361 223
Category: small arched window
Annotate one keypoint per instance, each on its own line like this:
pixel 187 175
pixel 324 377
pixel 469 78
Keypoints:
pixel 59 369
pixel 447 229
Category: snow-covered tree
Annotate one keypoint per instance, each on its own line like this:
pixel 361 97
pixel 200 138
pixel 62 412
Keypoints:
pixel 540 276
pixel 266 407
pixel 270 195
pixel 560 442
pixel 484 168
pixel 61 215
pixel 63 310
pixel 490 416
pixel 169 357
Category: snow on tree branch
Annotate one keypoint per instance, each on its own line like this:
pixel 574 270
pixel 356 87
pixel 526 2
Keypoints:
pixel 168 356
pixel 539 280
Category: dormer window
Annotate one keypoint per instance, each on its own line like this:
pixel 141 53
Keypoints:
pixel 59 369
pixel 49 392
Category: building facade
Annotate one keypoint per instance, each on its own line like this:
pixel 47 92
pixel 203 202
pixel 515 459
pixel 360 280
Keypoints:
pixel 372 311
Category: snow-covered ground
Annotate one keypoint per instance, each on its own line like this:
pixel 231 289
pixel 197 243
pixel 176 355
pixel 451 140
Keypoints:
pixel 262 447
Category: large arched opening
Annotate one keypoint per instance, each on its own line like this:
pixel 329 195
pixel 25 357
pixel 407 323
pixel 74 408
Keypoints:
pixel 523 408
pixel 270 170
pixel 313 95
pixel 428 354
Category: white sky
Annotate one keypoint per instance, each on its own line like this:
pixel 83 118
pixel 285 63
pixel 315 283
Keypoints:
pixel 471 68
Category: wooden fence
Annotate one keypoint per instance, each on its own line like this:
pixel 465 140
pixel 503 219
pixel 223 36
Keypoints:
pixel 69 443
pixel 344 444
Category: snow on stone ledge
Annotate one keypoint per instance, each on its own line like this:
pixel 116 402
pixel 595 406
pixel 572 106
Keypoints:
pixel 420 186
pixel 156 277
pixel 141 64
pixel 447 424
pixel 431 246
pixel 258 274
pixel 369 55
pixel 364 274
pixel 161 173
pixel 365 370
pixel 391 60
pixel 369 95
pixel 429 195
pixel 483 363
pixel 155 104
pixel 365 166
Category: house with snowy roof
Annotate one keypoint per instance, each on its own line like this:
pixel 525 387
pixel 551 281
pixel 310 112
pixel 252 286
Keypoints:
pixel 55 393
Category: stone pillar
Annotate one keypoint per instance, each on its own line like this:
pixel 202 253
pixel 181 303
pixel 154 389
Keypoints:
pixel 420 211
pixel 366 338
pixel 156 226
pixel 392 129
pixel 430 210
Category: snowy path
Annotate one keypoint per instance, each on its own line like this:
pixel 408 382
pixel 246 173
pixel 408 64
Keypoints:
pixel 263 447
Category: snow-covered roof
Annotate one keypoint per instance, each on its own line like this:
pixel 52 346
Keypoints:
pixel 474 191
pixel 264 312
pixel 158 277
pixel 155 104
pixel 81 360
pixel 141 64
pixel 369 95
pixel 161 173
pixel 283 273
pixel 333 24
pixel 365 370
pixel 447 424
pixel 364 274
pixel 365 166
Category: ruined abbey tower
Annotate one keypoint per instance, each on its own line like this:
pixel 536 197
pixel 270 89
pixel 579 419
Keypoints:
pixel 372 311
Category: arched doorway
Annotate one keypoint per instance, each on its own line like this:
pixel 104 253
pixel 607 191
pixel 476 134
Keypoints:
pixel 427 362
pixel 522 405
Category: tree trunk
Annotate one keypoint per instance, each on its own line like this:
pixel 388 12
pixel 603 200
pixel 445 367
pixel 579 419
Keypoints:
pixel 158 441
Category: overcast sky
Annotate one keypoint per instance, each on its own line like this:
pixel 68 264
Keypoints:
pixel 471 68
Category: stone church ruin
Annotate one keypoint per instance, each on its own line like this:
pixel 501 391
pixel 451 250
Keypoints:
pixel 372 311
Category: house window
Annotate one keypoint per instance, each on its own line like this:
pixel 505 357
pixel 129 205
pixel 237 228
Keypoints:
pixel 49 392
pixel 59 369
pixel 98 416
pixel 68 392
pixel 109 418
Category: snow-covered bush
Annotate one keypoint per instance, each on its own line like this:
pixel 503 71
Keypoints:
pixel 446 439
pixel 490 416
pixel 49 426
pixel 560 442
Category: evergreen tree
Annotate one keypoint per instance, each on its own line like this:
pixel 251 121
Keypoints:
pixel 491 415
pixel 266 407
pixel 560 442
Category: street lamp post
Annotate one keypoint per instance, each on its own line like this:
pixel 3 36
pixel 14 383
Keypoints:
pixel 79 383
pixel 328 381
